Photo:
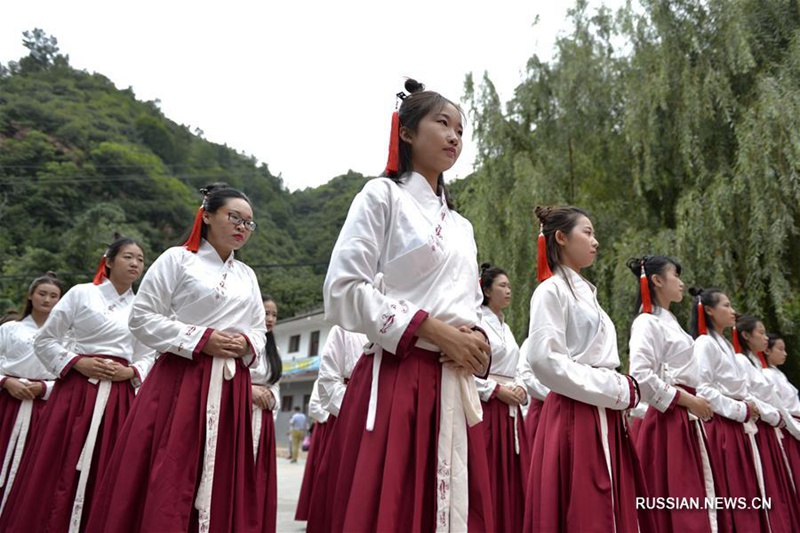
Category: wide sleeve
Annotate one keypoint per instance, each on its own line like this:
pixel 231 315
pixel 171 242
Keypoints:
pixel 48 345
pixel 4 329
pixel 142 361
pixel 646 344
pixel 762 393
pixel 551 361
pixel 275 389
pixel 330 383
pixel 532 385
pixel 257 334
pixel 152 319
pixel 708 361
pixel 352 299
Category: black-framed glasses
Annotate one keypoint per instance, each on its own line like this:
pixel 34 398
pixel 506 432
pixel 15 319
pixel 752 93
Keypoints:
pixel 236 220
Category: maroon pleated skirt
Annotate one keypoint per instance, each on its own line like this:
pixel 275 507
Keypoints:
pixel 792 447
pixel 569 487
pixel 784 514
pixel 671 457
pixel 152 480
pixel 385 479
pixel 9 407
pixel 319 439
pixel 532 420
pixel 42 498
pixel 508 470
pixel 266 474
pixel 731 456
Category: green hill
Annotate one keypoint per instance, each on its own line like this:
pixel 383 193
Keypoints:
pixel 80 159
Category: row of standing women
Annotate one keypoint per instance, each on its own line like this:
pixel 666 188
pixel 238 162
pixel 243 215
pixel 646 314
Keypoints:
pixel 430 420
pixel 424 429
pixel 150 412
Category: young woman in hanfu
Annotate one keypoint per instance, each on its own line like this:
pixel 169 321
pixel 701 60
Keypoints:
pixel 336 362
pixel 751 342
pixel 731 432
pixel 404 272
pixel 266 377
pixel 671 444
pixel 87 344
pixel 25 383
pixel 184 461
pixel 502 394
pixel 787 398
pixel 584 472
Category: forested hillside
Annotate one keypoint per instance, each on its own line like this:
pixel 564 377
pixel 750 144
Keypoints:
pixel 80 159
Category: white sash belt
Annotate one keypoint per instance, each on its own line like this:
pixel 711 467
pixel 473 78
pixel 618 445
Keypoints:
pixel 257 415
pixel 220 369
pixel 85 460
pixel 16 446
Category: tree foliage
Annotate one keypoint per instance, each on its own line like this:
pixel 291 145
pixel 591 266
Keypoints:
pixel 675 124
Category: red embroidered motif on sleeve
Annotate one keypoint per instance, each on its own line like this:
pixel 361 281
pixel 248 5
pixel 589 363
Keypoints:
pixel 388 320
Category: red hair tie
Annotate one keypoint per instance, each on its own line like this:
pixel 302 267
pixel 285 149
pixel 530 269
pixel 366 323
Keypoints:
pixel 737 345
pixel 701 319
pixel 543 265
pixel 193 242
pixel 647 303
pixel 100 275
pixel 763 359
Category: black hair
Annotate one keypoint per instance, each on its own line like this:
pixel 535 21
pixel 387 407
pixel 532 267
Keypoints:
pixel 273 359
pixel 48 277
pixel 772 338
pixel 120 242
pixel 710 298
pixel 416 106
pixel 488 274
pixel 217 195
pixel 553 219
pixel 746 324
pixel 653 265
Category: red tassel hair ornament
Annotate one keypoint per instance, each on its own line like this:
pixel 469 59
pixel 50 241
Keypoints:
pixel 763 360
pixel 193 242
pixel 644 286
pixel 701 319
pixel 393 162
pixel 100 275
pixel 542 265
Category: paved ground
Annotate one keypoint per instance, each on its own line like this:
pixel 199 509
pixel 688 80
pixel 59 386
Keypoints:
pixel 290 477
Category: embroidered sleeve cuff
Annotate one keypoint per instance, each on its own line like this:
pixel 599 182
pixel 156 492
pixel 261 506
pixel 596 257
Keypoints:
pixel 410 333
pixel 746 412
pixel 48 388
pixel 69 366
pixel 198 349
pixel 675 400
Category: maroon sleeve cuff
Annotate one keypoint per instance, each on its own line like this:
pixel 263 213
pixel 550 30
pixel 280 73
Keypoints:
pixel 494 392
pixel 407 340
pixel 202 344
pixel 746 412
pixel 634 392
pixel 489 366
pixel 675 400
pixel 252 351
pixel 69 366
pixel 2 381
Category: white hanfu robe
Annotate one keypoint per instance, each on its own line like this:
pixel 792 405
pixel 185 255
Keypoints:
pixel 337 360
pixel 401 256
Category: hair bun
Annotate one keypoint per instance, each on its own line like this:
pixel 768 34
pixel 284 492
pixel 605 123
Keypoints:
pixel 635 265
pixel 485 267
pixel 413 86
pixel 542 212
pixel 50 274
pixel 695 291
pixel 208 189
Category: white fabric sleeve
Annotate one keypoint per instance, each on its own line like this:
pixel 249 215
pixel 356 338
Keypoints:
pixel 645 343
pixel 351 298
pixel 550 359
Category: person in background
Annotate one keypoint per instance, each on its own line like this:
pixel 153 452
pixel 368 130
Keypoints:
pixel 298 425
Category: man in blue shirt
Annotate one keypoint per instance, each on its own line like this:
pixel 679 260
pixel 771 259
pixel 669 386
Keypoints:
pixel 298 425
